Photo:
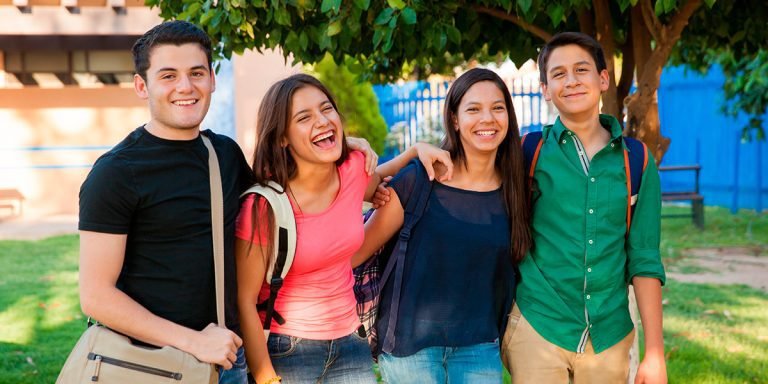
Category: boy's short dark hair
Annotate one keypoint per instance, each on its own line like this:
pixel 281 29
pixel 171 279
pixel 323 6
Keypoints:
pixel 176 32
pixel 568 38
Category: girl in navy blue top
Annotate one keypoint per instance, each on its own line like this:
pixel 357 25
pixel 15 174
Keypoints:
pixel 458 281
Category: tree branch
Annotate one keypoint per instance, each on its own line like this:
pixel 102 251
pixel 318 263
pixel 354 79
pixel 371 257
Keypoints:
pixel 680 19
pixel 651 21
pixel 515 19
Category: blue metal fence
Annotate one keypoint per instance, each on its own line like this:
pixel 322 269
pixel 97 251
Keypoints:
pixel 733 174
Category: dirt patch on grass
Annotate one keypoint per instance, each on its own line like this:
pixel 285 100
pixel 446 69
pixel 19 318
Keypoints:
pixel 724 265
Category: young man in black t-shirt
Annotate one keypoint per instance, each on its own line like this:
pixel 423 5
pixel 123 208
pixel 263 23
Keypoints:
pixel 146 251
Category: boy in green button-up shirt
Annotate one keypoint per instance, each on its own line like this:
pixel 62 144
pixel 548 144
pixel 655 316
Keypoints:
pixel 571 320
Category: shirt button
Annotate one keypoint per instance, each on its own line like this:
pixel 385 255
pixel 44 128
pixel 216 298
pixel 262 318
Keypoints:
pixel 590 241
pixel 589 297
pixel 612 145
pixel 592 179
pixel 591 211
pixel 563 141
pixel 590 325
pixel 570 133
pixel 589 269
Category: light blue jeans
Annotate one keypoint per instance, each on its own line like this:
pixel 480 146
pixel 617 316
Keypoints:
pixel 346 360
pixel 237 374
pixel 475 364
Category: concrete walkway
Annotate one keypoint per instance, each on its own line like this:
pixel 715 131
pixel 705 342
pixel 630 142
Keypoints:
pixel 23 228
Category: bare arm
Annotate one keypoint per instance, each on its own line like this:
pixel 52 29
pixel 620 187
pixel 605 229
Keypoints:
pixel 382 225
pixel 653 368
pixel 428 155
pixel 251 268
pixel 101 259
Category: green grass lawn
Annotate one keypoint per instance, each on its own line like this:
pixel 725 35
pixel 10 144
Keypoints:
pixel 713 334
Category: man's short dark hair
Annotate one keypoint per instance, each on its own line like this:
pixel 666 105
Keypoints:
pixel 176 32
pixel 570 38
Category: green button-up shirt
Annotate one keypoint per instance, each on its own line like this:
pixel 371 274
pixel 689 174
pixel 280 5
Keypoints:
pixel 573 282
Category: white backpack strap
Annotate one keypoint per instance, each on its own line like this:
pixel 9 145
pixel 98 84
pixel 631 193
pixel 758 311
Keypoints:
pixel 284 220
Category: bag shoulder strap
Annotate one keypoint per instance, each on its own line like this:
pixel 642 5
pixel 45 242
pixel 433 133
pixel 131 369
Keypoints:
pixel 635 162
pixel 531 142
pixel 414 210
pixel 217 222
pixel 284 245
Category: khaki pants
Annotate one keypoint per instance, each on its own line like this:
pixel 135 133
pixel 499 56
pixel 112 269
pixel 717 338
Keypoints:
pixel 532 359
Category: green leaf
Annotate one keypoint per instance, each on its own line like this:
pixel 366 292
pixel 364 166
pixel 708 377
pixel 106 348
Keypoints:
pixel 363 4
pixel 248 29
pixel 525 5
pixel 303 40
pixel 384 16
pixel 235 17
pixel 207 16
pixel 556 14
pixel 439 40
pixel 408 16
pixel 399 4
pixel 388 41
pixel 453 34
pixel 328 5
pixel 334 28
pixel 669 5
pixel 193 8
pixel 709 3
pixel 393 21
pixel 378 34
pixel 506 4
pixel 282 16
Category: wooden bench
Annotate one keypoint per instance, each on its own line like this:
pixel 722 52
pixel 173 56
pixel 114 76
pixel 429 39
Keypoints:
pixel 12 200
pixel 696 198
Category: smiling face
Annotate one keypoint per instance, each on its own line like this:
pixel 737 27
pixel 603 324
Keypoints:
pixel 482 118
pixel 178 87
pixel 574 84
pixel 314 132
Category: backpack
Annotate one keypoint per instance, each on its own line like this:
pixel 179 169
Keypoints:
pixel 373 274
pixel 284 246
pixel 635 161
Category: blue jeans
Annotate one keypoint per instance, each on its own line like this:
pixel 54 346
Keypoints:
pixel 346 360
pixel 237 374
pixel 475 364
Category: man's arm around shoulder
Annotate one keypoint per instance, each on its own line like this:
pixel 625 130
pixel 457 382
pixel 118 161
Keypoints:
pixel 101 260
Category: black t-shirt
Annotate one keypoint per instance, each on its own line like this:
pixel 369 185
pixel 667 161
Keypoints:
pixel 157 192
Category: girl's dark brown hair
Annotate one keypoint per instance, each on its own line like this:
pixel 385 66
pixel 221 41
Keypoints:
pixel 509 156
pixel 271 160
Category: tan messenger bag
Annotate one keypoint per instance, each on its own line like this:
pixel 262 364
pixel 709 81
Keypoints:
pixel 102 355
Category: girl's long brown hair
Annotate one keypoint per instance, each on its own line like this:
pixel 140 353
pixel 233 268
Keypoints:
pixel 509 157
pixel 271 160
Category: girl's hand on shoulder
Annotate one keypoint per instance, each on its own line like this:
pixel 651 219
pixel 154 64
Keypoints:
pixel 362 145
pixel 429 155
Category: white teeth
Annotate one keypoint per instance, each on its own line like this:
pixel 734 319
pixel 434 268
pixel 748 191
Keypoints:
pixel 485 133
pixel 323 137
pixel 184 102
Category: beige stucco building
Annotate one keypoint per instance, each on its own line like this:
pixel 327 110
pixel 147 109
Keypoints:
pixel 66 94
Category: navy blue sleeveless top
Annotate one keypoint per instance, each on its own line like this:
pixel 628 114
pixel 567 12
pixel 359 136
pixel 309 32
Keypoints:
pixel 458 282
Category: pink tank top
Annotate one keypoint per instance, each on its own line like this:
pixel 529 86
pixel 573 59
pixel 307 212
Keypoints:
pixel 316 299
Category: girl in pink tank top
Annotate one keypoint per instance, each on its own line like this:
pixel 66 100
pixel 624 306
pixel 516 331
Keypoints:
pixel 301 145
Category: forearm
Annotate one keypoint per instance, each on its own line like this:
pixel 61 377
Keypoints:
pixel 648 293
pixel 256 352
pixel 391 167
pixel 113 308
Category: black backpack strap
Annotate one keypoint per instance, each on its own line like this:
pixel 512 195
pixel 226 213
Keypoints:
pixel 414 209
pixel 635 161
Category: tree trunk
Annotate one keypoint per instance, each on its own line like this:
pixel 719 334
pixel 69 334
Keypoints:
pixel 642 107
pixel 604 31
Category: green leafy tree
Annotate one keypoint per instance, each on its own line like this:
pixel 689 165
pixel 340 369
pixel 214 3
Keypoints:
pixel 433 35
pixel 356 100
